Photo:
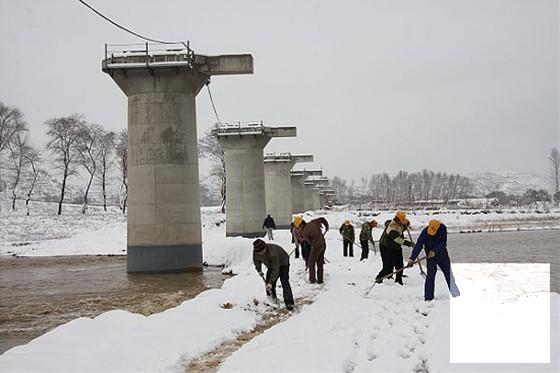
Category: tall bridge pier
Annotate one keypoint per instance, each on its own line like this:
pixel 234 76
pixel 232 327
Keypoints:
pixel 278 186
pixel 326 196
pixel 161 83
pixel 312 190
pixel 245 182
pixel 298 178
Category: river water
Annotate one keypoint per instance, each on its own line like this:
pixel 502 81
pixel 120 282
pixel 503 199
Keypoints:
pixel 509 247
pixel 40 293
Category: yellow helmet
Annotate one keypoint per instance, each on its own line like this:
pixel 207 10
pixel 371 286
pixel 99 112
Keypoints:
pixel 433 227
pixel 297 220
pixel 401 216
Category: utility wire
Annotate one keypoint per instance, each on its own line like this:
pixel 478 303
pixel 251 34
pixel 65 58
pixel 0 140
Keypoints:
pixel 212 101
pixel 126 29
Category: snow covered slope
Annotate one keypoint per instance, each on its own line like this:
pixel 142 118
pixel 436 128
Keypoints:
pixel 507 182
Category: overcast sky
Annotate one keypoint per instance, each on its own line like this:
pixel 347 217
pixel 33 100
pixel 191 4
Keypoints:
pixel 372 86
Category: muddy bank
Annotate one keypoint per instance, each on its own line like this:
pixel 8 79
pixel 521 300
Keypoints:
pixel 38 294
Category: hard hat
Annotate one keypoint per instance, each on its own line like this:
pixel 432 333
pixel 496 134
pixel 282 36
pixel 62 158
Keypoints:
pixel 433 227
pixel 401 216
pixel 297 220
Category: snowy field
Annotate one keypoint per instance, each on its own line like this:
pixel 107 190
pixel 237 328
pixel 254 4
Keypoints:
pixel 44 233
pixel 340 330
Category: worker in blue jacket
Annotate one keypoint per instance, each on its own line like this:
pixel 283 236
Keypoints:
pixel 434 239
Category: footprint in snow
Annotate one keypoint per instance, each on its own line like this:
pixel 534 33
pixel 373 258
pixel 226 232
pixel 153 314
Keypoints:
pixel 405 354
pixel 349 366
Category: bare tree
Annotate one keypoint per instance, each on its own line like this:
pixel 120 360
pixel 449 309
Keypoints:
pixel 11 122
pixel 34 158
pixel 89 150
pixel 210 148
pixel 554 159
pixel 106 147
pixel 407 187
pixel 19 149
pixel 121 148
pixel 64 133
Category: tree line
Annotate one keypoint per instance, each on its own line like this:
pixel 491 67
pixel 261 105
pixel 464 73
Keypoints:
pixel 405 187
pixel 75 145
pixel 428 186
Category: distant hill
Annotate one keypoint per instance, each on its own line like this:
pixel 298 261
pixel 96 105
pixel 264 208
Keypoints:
pixel 507 182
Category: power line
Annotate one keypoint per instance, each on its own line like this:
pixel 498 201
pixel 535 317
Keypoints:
pixel 126 29
pixel 212 101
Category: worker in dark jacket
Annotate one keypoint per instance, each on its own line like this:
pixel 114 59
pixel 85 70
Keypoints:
pixel 299 224
pixel 269 226
pixel 313 235
pixel 277 263
pixel 390 245
pixel 366 237
pixel 433 239
pixel 348 235
pixel 294 239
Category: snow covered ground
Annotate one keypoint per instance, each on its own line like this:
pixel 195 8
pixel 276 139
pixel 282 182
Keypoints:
pixel 44 233
pixel 341 330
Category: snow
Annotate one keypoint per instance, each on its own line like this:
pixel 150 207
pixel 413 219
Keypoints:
pixel 341 330
pixel 509 182
pixel 44 233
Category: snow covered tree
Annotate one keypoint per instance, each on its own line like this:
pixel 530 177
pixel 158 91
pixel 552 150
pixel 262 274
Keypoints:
pixel 89 151
pixel 19 150
pixel 554 159
pixel 64 133
pixel 11 123
pixel 210 148
pixel 34 159
pixel 106 147
pixel 121 149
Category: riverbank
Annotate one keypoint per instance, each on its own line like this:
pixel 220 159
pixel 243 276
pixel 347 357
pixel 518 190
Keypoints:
pixel 41 293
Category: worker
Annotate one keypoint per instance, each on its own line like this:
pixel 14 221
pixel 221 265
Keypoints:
pixel 366 237
pixel 390 245
pixel 312 234
pixel 277 262
pixel 347 232
pixel 299 224
pixel 433 239
pixel 269 226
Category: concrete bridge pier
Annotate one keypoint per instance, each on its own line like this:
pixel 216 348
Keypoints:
pixel 245 181
pixel 312 188
pixel 299 196
pixel 278 186
pixel 164 230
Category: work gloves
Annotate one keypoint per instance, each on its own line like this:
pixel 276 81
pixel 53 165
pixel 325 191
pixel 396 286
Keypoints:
pixel 408 243
pixel 431 254
pixel 268 288
pixel 410 263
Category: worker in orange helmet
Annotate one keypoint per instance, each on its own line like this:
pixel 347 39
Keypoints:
pixel 433 239
pixel 390 245
pixel 366 237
